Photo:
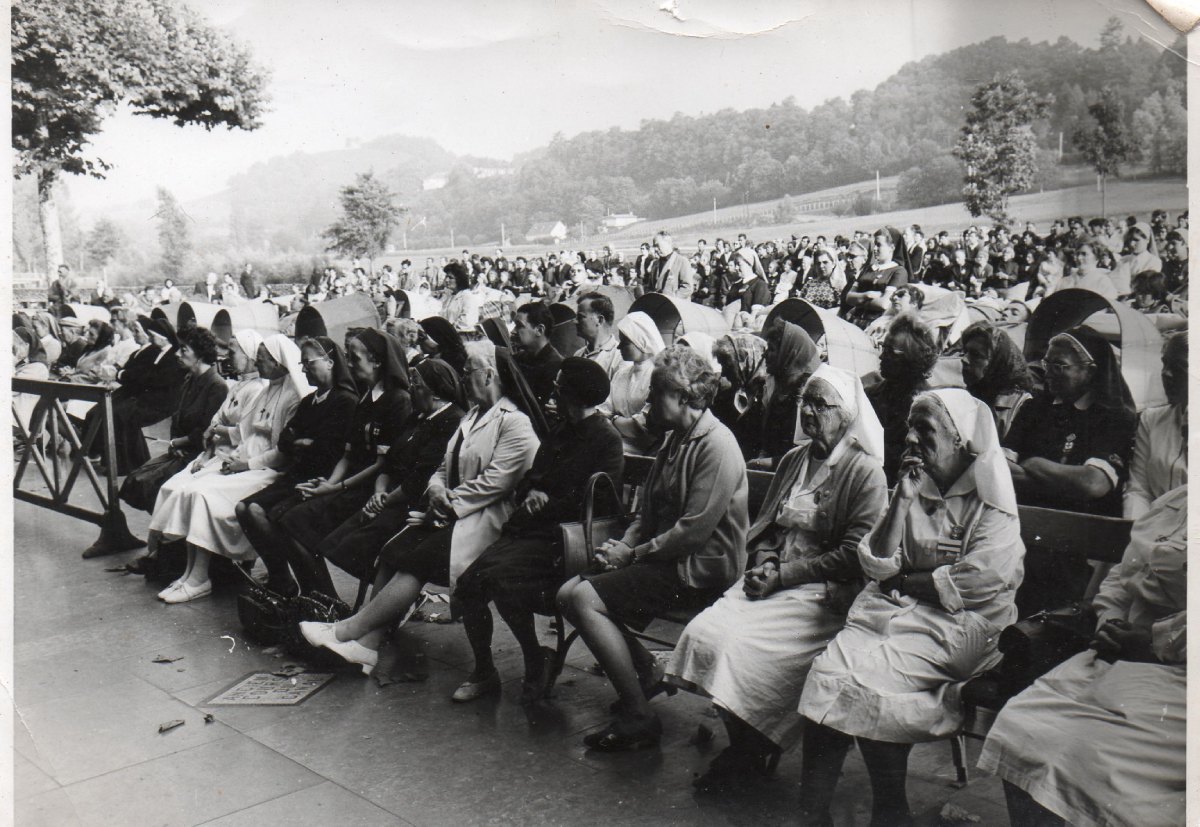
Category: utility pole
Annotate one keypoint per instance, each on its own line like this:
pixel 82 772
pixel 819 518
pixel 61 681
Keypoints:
pixel 877 195
pixel 714 210
pixel 503 243
pixel 1060 146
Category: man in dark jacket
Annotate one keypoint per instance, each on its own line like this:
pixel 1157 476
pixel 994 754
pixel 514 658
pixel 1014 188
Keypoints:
pixel 536 357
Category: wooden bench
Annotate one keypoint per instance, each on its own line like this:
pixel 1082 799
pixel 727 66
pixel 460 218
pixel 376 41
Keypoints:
pixel 1101 540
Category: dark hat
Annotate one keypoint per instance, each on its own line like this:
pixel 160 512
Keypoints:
pixel 583 381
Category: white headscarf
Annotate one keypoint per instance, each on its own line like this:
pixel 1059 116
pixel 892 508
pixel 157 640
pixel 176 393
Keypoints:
pixel 284 351
pixel 641 330
pixel 865 429
pixel 248 340
pixel 977 428
pixel 702 343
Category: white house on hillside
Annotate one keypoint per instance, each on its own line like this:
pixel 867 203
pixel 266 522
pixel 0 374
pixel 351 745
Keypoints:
pixel 616 221
pixel 546 231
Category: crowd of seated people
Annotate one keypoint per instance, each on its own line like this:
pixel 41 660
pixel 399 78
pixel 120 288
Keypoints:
pixel 850 608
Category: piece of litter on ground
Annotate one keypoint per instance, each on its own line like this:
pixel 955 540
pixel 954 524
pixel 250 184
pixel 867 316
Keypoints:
pixel 208 718
pixel 169 725
pixel 703 735
pixel 289 670
pixel 165 659
pixel 954 814
pixel 273 650
pixel 232 643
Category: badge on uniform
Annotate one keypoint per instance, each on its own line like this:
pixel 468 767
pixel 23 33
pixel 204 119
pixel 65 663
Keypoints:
pixel 1068 446
pixel 954 544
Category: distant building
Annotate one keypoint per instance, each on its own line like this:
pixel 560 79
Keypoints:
pixel 435 182
pixel 615 221
pixel 546 231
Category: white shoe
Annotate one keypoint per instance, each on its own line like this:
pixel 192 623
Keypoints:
pixel 163 594
pixel 321 634
pixel 185 592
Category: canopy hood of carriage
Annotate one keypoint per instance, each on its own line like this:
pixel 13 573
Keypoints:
pixel 225 321
pixel 678 317
pixel 844 345
pixel 1137 340
pixel 333 318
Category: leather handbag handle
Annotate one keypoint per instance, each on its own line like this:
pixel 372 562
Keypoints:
pixel 589 504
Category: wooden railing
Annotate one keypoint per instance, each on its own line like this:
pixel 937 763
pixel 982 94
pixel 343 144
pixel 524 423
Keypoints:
pixel 61 454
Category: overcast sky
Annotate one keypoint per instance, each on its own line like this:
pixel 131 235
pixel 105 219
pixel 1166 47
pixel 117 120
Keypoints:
pixel 497 77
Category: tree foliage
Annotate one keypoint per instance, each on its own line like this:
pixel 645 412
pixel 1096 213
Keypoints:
pixel 912 117
pixel 174 235
pixel 104 242
pixel 939 181
pixel 1161 127
pixel 997 144
pixel 369 216
pixel 1105 143
pixel 75 61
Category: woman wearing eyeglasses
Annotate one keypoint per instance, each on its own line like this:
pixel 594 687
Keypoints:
pixel 1069 448
pixel 378 365
pixel 313 440
pixel 751 651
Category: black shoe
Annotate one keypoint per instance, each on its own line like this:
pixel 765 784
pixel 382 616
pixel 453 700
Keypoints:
pixel 540 684
pixel 626 734
pixel 144 565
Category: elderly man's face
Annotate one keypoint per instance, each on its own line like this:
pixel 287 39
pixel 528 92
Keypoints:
pixel 662 246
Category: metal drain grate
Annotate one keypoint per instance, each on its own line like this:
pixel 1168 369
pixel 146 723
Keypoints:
pixel 265 689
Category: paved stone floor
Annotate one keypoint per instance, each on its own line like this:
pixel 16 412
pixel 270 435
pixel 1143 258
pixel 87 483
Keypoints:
pixel 90 700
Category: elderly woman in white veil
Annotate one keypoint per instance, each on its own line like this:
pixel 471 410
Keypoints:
pixel 639 343
pixel 751 651
pixel 945 562
pixel 197 504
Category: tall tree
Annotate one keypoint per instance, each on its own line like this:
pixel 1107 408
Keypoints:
pixel 174 234
pixel 369 215
pixel 75 61
pixel 1161 125
pixel 104 242
pixel 1105 144
pixel 997 144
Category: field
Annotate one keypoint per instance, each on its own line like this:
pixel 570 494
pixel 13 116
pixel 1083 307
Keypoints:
pixel 1124 198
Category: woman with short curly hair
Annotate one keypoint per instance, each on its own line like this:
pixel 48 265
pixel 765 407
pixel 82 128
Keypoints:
pixel 684 548
pixel 909 353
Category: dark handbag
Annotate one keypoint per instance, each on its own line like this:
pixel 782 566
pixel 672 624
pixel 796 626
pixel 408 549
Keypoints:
pixel 140 488
pixel 1035 645
pixel 267 618
pixel 579 540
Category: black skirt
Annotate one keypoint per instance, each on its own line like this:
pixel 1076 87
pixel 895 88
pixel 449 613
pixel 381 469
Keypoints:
pixel 311 521
pixel 354 546
pixel 523 573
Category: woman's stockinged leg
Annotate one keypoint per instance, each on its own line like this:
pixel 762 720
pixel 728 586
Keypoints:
pixel 383 611
pixel 823 751
pixel 887 766
pixel 521 622
pixel 477 623
pixel 198 560
pixel 607 642
pixel 267 542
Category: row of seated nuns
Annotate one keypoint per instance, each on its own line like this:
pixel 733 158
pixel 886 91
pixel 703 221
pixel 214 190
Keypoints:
pixel 870 586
